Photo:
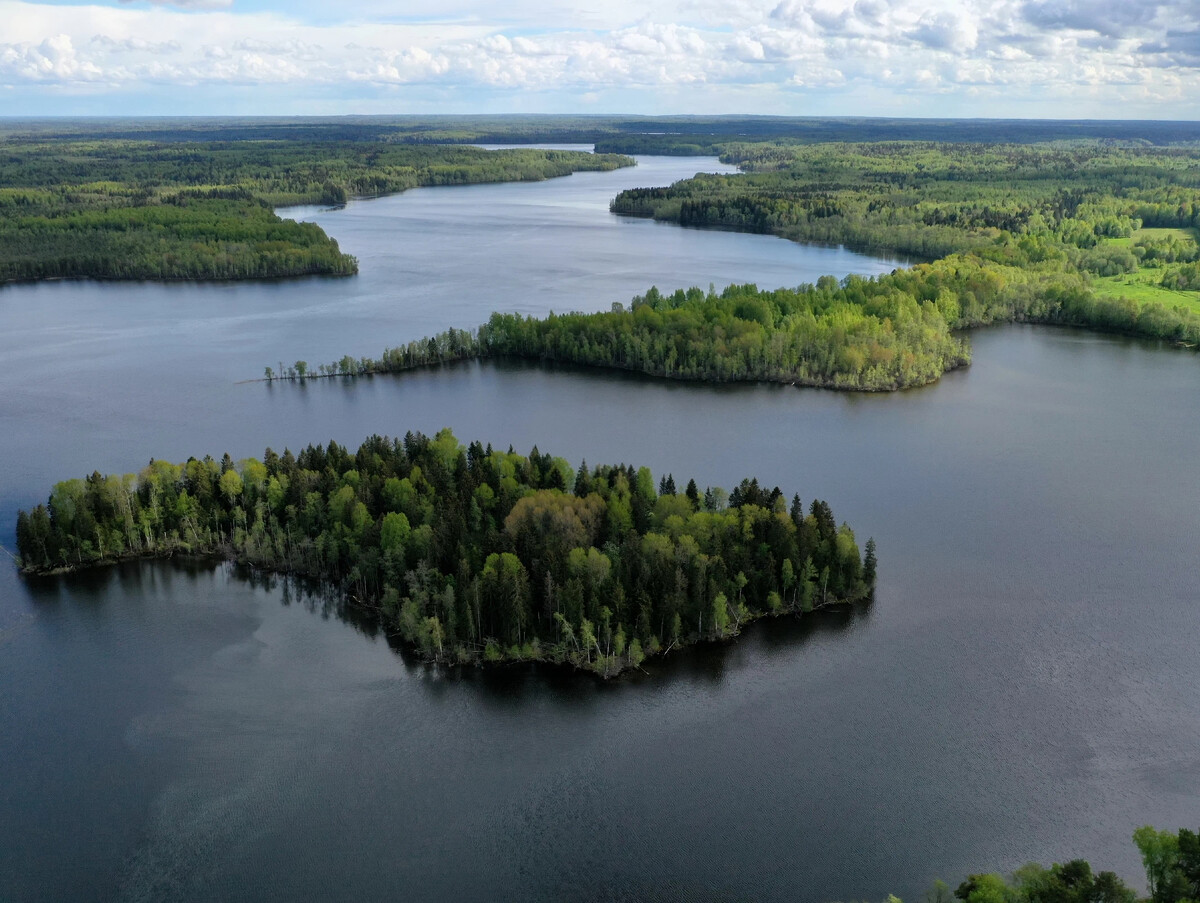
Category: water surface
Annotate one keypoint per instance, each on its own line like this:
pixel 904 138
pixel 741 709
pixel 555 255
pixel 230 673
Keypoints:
pixel 1022 688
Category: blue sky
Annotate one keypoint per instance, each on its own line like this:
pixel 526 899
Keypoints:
pixel 1007 58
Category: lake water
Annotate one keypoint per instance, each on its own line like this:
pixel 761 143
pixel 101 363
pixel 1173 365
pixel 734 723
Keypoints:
pixel 1023 687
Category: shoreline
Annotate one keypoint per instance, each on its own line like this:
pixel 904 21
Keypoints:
pixel 796 382
pixel 476 657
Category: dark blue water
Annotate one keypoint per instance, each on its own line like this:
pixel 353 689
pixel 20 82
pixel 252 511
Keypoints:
pixel 1022 688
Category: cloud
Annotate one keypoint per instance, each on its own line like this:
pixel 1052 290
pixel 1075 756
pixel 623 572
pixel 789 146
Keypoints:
pixel 135 45
pixel 53 60
pixel 187 4
pixel 1101 16
pixel 1174 49
pixel 946 31
pixel 1055 54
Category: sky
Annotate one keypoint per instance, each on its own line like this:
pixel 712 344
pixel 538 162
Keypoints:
pixel 1107 59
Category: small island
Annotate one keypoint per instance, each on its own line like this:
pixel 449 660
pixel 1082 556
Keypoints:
pixel 474 555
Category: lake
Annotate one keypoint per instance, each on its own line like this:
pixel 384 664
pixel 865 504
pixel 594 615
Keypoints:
pixel 1023 686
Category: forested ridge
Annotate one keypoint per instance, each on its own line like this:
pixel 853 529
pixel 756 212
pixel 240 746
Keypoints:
pixel 473 554
pixel 124 209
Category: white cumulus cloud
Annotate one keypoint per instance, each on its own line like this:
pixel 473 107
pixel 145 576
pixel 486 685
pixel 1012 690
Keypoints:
pixel 776 55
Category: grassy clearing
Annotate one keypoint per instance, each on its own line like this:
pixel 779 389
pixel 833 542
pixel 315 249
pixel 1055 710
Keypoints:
pixel 1160 234
pixel 1143 287
pixel 1154 235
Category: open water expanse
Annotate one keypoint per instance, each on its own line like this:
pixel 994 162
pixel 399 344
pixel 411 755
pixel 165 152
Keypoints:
pixel 1025 686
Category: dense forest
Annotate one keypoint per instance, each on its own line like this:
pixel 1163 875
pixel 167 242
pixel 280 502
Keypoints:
pixel 1171 860
pixel 1060 234
pixel 124 209
pixel 875 334
pixel 1016 203
pixel 473 554
pixel 860 334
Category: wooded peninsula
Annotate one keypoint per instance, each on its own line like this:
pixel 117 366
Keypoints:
pixel 135 209
pixel 1087 235
pixel 472 554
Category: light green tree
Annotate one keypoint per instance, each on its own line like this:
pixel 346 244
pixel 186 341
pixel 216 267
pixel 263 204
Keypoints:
pixel 231 486
pixel 720 615
pixel 1159 851
pixel 394 531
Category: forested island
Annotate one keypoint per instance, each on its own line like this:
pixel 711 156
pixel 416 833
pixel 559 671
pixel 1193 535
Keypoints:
pixel 1083 235
pixel 863 334
pixel 1171 860
pixel 472 554
pixel 110 208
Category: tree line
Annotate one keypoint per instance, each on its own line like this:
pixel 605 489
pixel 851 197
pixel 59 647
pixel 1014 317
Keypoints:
pixel 473 554
pixel 847 336
pixel 882 333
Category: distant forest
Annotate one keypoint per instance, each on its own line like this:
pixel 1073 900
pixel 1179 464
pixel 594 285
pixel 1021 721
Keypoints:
pixel 134 209
pixel 620 134
pixel 477 555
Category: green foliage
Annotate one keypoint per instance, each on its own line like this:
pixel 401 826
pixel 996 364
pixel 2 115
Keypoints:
pixel 1172 863
pixel 1171 859
pixel 860 334
pixel 1033 223
pixel 1072 882
pixel 122 209
pixel 930 200
pixel 469 553
pixel 1185 278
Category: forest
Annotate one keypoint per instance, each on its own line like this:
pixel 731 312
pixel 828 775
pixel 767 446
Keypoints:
pixel 860 334
pixel 1171 860
pixel 1030 203
pixel 476 555
pixel 889 332
pixel 1054 232
pixel 135 209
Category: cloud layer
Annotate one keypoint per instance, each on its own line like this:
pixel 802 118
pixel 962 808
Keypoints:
pixel 931 57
